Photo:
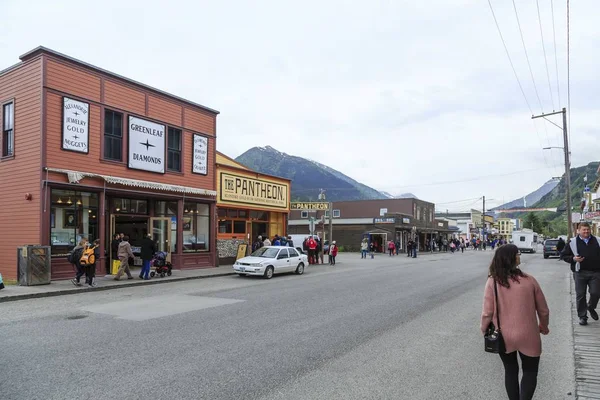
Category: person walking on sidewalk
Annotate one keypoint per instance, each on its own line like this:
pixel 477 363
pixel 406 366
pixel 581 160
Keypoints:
pixel 147 252
pixel 125 253
pixel 333 250
pixel 372 249
pixel 391 247
pixel 75 258
pixel 364 248
pixel 560 246
pixel 90 273
pixel 583 253
pixel 521 303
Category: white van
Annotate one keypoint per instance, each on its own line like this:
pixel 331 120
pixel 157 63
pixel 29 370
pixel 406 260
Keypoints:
pixel 525 240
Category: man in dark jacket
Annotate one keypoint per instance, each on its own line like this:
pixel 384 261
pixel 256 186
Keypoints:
pixel 560 246
pixel 147 253
pixel 583 253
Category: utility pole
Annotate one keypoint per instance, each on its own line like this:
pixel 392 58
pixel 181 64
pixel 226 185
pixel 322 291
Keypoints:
pixel 330 223
pixel 567 163
pixel 483 219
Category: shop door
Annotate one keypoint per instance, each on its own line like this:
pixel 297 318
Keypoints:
pixel 161 229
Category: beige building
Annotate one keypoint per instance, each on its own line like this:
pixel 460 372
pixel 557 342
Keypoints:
pixel 505 226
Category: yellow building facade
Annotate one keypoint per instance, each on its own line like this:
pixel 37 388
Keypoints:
pixel 249 204
pixel 505 227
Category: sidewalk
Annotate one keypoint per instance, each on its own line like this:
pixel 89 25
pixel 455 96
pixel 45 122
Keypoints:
pixel 586 341
pixel 106 282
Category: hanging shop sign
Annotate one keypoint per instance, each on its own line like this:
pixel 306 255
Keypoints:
pixel 406 220
pixel 75 128
pixel 200 156
pixel 243 189
pixel 146 145
pixel 310 206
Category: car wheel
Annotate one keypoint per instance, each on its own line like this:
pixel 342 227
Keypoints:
pixel 269 272
pixel 546 256
pixel 300 269
pixel 242 275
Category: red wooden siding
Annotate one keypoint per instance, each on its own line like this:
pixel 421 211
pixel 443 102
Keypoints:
pixel 72 80
pixel 21 218
pixel 199 121
pixel 124 98
pixel 163 110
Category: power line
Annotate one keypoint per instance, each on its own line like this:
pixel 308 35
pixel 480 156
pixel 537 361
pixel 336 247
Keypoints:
pixel 527 56
pixel 518 80
pixel 509 58
pixel 555 52
pixel 537 2
pixel 569 66
pixel 459 201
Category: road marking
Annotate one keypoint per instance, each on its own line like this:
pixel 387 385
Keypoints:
pixel 157 307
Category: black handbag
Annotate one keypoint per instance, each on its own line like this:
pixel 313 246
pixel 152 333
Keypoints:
pixel 494 341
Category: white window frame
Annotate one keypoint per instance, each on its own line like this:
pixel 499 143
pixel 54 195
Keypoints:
pixel 304 214
pixel 336 213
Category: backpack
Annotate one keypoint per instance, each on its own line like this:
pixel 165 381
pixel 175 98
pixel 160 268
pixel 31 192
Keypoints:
pixel 74 255
pixel 88 257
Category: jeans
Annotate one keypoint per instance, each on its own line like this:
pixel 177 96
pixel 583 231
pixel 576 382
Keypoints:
pixel 90 274
pixel 391 252
pixel 332 260
pixel 145 269
pixel 511 375
pixel 414 253
pixel 363 254
pixel 583 280
pixel 80 272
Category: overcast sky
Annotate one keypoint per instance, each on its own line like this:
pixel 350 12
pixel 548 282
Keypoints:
pixel 404 96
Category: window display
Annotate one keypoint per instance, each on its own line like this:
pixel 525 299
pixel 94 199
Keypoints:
pixel 73 215
pixel 196 227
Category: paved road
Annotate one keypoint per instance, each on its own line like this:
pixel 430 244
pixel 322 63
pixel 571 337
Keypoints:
pixel 388 328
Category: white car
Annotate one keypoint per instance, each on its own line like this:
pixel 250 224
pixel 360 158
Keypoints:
pixel 270 260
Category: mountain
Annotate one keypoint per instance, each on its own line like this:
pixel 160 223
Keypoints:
pixel 307 176
pixel 556 197
pixel 532 197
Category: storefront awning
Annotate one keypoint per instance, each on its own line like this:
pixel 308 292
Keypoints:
pixel 76 176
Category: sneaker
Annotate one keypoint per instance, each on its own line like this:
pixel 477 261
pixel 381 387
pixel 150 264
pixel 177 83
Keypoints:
pixel 593 314
pixel 130 277
pixel 93 284
pixel 74 282
pixel 583 321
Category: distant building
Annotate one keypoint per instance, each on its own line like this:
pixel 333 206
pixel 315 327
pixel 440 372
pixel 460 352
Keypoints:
pixel 377 220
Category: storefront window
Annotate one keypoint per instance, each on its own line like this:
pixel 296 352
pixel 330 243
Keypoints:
pixel 225 226
pixel 196 227
pixel 259 216
pixel 73 216
pixel 233 221
pixel 129 206
pixel 164 208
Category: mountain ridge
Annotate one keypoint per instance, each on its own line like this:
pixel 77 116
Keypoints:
pixel 308 176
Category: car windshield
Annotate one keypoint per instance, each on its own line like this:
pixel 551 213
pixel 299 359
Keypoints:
pixel 551 242
pixel 266 252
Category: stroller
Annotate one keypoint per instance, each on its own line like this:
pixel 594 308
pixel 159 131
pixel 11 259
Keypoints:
pixel 161 266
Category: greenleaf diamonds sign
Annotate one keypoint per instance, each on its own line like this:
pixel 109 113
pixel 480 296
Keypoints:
pixel 146 145
pixel 75 129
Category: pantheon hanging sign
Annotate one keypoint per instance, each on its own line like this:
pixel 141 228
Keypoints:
pixel 146 145
pixel 75 128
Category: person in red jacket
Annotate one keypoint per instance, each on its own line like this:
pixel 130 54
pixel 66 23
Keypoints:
pixel 391 247
pixel 333 250
pixel 312 250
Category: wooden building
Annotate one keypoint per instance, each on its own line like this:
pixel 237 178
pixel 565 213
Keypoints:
pixel 377 220
pixel 89 153
pixel 249 204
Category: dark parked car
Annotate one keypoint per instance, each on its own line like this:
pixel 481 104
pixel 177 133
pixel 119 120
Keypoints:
pixel 550 248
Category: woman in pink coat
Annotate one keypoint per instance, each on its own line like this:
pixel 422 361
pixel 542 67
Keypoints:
pixel 523 313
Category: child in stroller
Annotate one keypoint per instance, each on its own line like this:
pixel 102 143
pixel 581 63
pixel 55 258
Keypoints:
pixel 161 266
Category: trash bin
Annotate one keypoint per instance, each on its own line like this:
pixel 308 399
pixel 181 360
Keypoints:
pixel 33 266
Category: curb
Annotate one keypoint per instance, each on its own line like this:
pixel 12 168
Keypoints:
pixel 27 296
